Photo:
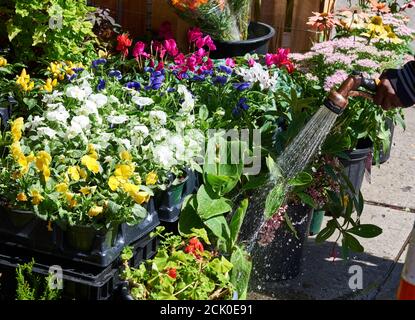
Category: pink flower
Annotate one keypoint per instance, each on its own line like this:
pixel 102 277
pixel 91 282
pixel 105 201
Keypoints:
pixel 160 66
pixel 268 230
pixel 230 62
pixel 280 59
pixel 179 59
pixel 251 62
pixel 205 41
pixel 191 62
pixel 160 50
pixel 171 47
pixel 194 34
pixel 165 31
pixel 138 50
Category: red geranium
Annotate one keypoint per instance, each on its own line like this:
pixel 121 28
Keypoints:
pixel 172 273
pixel 123 43
pixel 194 247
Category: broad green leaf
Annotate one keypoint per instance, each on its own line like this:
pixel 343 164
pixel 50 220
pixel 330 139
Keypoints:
pixel 219 227
pixel 307 199
pixel 366 231
pixel 208 206
pixel 237 220
pixel 241 272
pixel 13 31
pixel 203 113
pixel 326 233
pixel 302 179
pixel 200 233
pixel 275 200
pixel 189 219
pixel 352 243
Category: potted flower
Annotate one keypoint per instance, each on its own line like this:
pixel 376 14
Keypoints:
pixel 184 268
pixel 228 23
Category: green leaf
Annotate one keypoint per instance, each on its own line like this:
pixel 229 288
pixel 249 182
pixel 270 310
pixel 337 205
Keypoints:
pixel 290 226
pixel 326 233
pixel 255 182
pixel 307 199
pixel 200 233
pixel 219 227
pixel 13 30
pixel 241 272
pixel 208 206
pixel 366 231
pixel 203 113
pixel 273 168
pixel 237 220
pixel 302 179
pixel 352 243
pixel 189 219
pixel 274 200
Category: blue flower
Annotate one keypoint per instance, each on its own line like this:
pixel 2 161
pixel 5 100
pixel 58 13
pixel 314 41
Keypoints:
pixel 198 77
pixel 241 86
pixel 148 69
pixel 98 62
pixel 242 104
pixel 115 74
pixel 156 80
pixel 101 85
pixel 133 85
pixel 225 69
pixel 207 72
pixel 169 90
pixel 77 70
pixel 222 80
pixel 72 77
pixel 236 112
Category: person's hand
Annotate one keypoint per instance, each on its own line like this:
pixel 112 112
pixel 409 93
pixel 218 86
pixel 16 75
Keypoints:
pixel 386 96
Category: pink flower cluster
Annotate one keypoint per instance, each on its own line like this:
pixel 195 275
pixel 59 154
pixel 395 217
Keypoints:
pixel 337 78
pixel 367 63
pixel 268 230
pixel 280 59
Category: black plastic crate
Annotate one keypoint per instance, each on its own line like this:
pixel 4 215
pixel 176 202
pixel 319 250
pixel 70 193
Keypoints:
pixel 80 281
pixel 30 232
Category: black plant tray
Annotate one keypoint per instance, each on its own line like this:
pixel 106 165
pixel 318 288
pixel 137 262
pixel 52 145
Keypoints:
pixel 33 234
pixel 80 281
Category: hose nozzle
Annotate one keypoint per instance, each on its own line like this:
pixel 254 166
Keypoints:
pixel 338 100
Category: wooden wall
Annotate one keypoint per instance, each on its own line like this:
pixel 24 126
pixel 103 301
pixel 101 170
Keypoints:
pixel 289 17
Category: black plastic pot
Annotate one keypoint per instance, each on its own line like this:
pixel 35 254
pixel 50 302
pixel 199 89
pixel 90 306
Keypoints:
pixel 354 167
pixel 19 218
pixel 169 202
pixel 282 259
pixel 83 237
pixel 259 35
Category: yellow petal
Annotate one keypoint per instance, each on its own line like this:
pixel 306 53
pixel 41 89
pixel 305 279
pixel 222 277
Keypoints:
pixel 113 183
pixel 91 163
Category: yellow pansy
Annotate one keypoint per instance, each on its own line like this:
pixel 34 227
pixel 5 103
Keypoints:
pixel 37 198
pixel 43 160
pixel 126 156
pixel 24 81
pixel 130 188
pixel 17 129
pixel 140 197
pixel 83 173
pixel 73 173
pixel 3 62
pixel 62 187
pixel 151 178
pixel 50 84
pixel 85 191
pixel 113 183
pixel 70 198
pixel 95 211
pixel 124 171
pixel 91 163
pixel 21 197
pixel 92 152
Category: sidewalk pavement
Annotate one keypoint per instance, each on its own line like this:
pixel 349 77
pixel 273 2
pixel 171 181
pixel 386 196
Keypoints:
pixel 391 198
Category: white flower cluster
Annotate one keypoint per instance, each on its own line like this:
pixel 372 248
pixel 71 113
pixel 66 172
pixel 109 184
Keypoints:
pixel 258 74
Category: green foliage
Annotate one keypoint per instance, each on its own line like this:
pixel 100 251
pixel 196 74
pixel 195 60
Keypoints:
pixel 43 31
pixel 31 286
pixel 178 273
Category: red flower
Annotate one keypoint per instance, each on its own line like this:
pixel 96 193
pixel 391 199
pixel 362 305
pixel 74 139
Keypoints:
pixel 124 42
pixel 138 50
pixel 194 247
pixel 172 273
pixel 280 59
pixel 171 47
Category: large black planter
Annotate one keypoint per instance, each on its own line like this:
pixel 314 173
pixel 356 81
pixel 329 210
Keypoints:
pixel 282 259
pixel 354 167
pixel 259 35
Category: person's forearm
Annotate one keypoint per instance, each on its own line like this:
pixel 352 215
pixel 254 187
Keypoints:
pixel 403 81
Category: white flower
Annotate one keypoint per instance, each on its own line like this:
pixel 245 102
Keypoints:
pixel 73 131
pixel 188 103
pixel 52 97
pixel 82 121
pixel 46 131
pixel 89 107
pixel 158 118
pixel 117 119
pixel 258 74
pixel 76 92
pixel 164 156
pixel 99 99
pixel 107 159
pixel 126 144
pixel 160 134
pixel 142 130
pixel 142 101
pixel 177 142
pixel 60 114
pixel 34 122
